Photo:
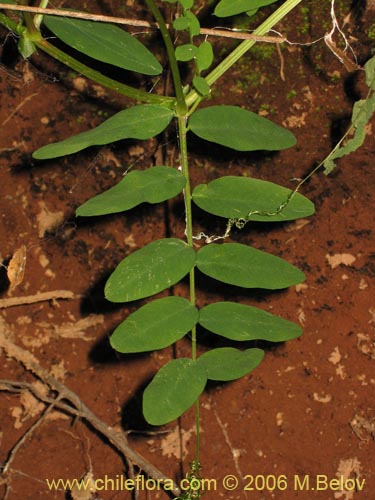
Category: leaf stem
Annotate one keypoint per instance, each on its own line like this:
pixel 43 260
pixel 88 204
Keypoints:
pixel 38 18
pixel 239 51
pixel 182 130
pixel 9 23
pixel 181 107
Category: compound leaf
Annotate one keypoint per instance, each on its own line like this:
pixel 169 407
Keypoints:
pixel 227 363
pixel 243 323
pixel 106 43
pixel 227 8
pixel 175 388
pixel 238 197
pixel 153 185
pixel 155 325
pixel 244 266
pixel 142 121
pixel 150 270
pixel 239 129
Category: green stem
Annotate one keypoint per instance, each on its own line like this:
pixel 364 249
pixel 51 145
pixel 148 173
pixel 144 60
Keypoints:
pixel 121 88
pixel 182 131
pixel 31 29
pixel 38 18
pixel 181 112
pixel 181 104
pixel 9 24
pixel 239 51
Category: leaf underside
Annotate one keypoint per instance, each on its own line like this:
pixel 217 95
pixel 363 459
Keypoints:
pixel 105 43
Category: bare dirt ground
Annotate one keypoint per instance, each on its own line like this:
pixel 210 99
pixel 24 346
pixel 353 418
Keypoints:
pixel 309 408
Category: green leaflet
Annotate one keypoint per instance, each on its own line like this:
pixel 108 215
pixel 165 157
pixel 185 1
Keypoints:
pixel 187 4
pixel 156 325
pixel 150 270
pixel 201 86
pixel 194 24
pixel 244 266
pixel 185 52
pixel 227 8
pixel 243 323
pixel 154 185
pixel 142 121
pixel 227 363
pixel 205 56
pixel 106 43
pixel 239 129
pixel 175 388
pixel 370 73
pixel 181 23
pixel 238 197
pixel 187 21
pixel 362 113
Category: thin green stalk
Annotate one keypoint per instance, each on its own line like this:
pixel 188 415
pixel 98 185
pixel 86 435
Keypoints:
pixel 9 24
pixel 182 131
pixel 181 107
pixel 38 18
pixel 181 111
pixel 31 29
pixel 121 88
pixel 239 51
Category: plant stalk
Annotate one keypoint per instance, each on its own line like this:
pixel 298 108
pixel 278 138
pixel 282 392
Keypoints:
pixel 38 18
pixel 181 112
pixel 181 107
pixel 239 51
pixel 182 131
pixel 9 23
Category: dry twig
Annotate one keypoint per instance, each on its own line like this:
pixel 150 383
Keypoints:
pixel 137 23
pixel 39 297
pixel 66 400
